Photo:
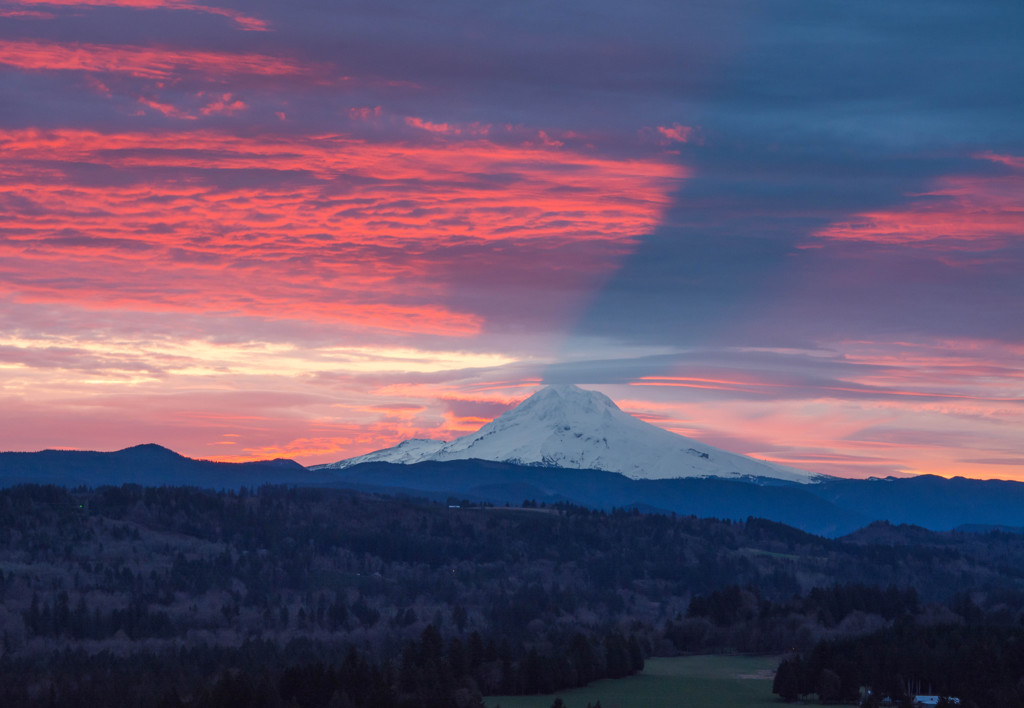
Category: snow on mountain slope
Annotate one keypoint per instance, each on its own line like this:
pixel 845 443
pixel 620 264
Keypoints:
pixel 404 453
pixel 566 426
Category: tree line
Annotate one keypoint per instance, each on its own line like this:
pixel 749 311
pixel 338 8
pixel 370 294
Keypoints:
pixel 230 590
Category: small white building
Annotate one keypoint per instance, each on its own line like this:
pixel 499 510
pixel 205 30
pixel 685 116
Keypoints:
pixel 933 700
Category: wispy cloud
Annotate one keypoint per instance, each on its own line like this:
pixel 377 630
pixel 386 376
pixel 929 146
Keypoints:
pixel 958 214
pixel 243 21
pixel 141 61
pixel 347 231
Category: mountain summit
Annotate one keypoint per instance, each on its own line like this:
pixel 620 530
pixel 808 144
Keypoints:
pixel 567 426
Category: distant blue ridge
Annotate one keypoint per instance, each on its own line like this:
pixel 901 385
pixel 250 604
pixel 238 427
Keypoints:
pixel 829 507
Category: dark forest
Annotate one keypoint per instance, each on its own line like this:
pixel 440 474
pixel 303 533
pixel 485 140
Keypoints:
pixel 134 596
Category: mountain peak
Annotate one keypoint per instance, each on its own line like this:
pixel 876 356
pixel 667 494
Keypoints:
pixel 566 426
pixel 571 393
pixel 149 450
pixel 563 399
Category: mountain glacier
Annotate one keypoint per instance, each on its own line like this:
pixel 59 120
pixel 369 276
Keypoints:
pixel 566 426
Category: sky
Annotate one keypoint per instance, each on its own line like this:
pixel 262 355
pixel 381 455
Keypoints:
pixel 793 229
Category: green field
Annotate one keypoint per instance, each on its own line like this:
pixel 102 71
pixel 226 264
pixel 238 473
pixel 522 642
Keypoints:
pixel 677 682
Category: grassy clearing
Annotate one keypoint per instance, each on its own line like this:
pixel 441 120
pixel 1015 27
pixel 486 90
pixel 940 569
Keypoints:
pixel 770 554
pixel 687 681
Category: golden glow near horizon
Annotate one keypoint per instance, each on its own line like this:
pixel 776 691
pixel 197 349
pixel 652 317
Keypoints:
pixel 204 358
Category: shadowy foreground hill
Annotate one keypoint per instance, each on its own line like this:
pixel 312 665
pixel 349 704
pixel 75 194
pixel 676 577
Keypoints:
pixel 133 596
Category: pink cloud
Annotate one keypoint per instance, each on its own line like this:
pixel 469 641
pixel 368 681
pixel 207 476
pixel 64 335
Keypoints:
pixel 889 407
pixel 1008 160
pixel 676 132
pixel 959 213
pixel 549 141
pixel 227 104
pixel 141 62
pixel 166 109
pixel 468 129
pixel 365 113
pixel 27 13
pixel 427 125
pixel 244 22
pixel 367 255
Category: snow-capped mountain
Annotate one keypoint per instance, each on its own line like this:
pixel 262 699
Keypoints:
pixel 566 426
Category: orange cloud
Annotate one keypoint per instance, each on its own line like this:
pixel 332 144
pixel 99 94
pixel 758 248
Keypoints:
pixel 301 448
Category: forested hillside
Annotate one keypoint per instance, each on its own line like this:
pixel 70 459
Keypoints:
pixel 137 596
